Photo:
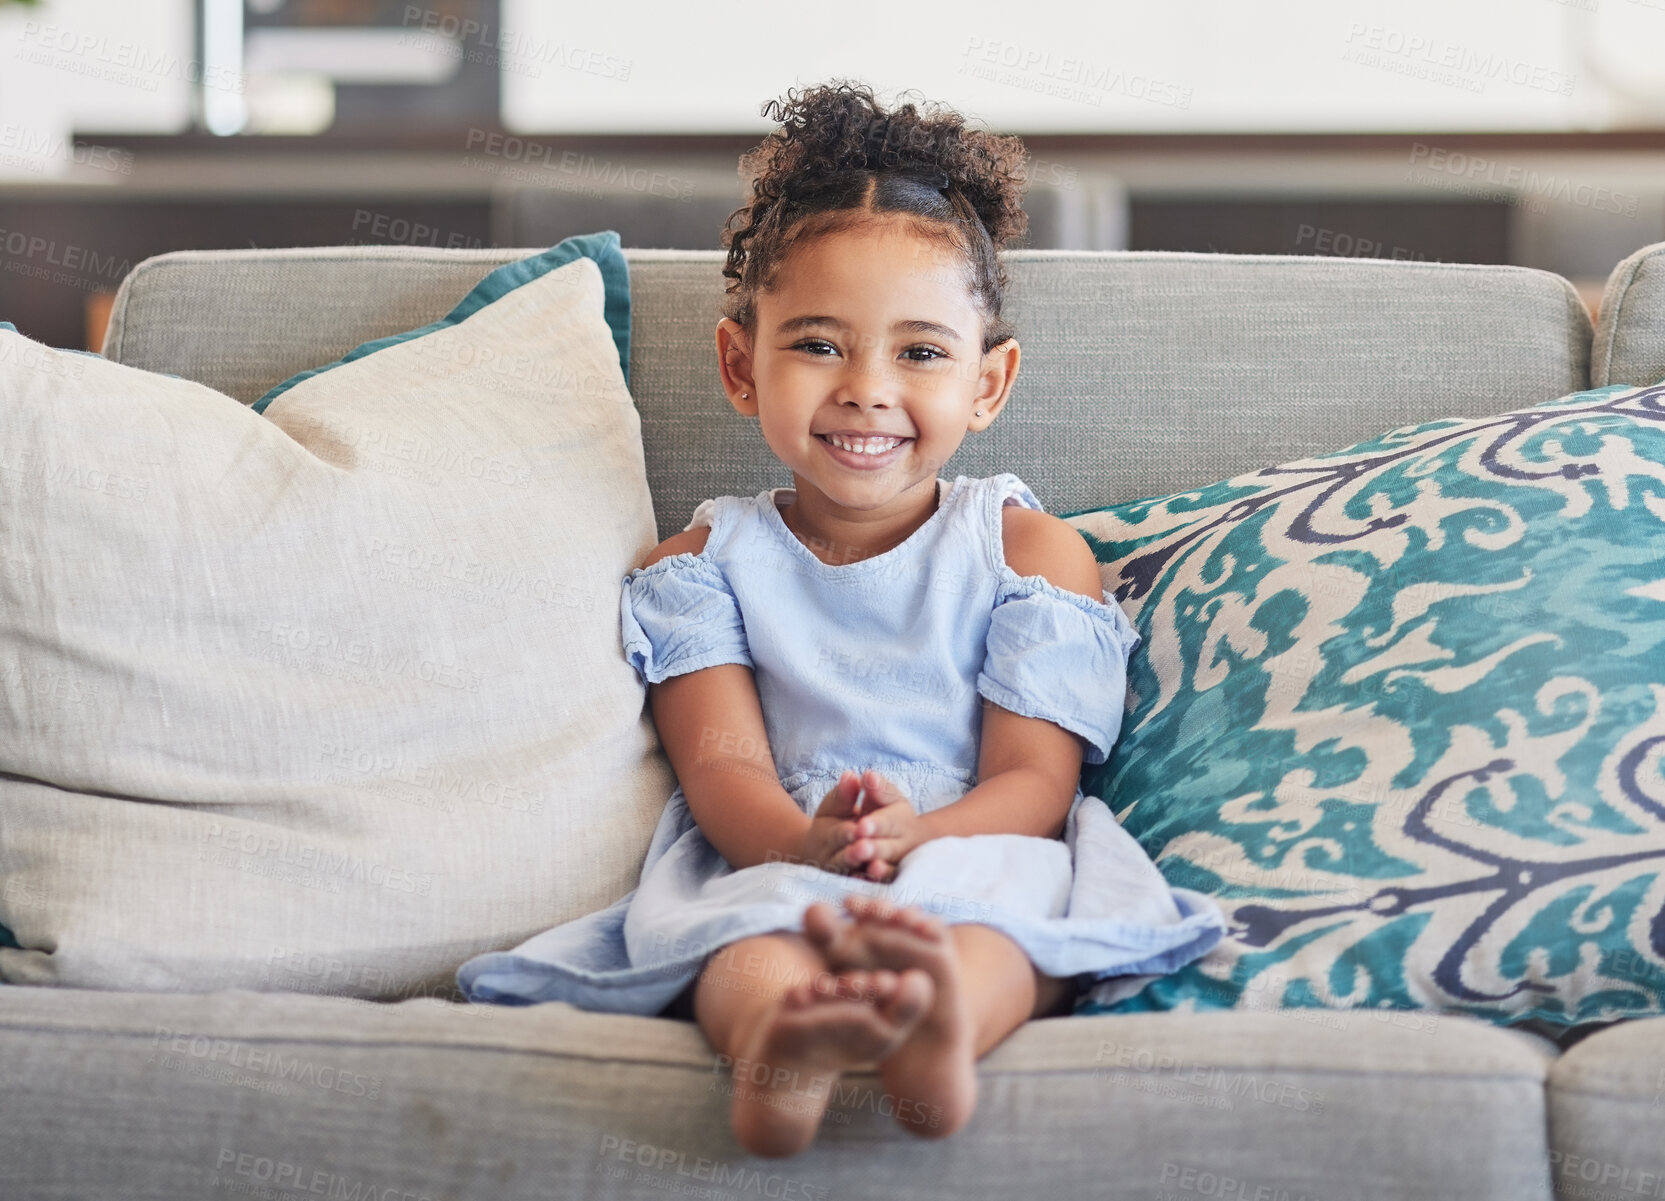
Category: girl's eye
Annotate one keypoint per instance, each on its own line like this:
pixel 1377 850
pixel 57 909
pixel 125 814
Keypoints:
pixel 821 348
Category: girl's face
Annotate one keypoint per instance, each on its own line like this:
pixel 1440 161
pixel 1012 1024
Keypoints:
pixel 870 331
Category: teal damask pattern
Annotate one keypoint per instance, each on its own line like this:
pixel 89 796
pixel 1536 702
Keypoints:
pixel 1401 710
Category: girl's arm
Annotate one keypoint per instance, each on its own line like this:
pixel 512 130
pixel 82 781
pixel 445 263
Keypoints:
pixel 711 724
pixel 1027 768
pixel 1027 771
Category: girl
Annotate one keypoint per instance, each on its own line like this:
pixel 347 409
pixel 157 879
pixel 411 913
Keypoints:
pixel 876 691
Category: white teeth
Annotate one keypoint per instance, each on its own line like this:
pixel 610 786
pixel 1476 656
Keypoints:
pixel 865 446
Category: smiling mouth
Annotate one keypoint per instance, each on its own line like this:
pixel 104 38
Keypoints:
pixel 861 460
pixel 883 445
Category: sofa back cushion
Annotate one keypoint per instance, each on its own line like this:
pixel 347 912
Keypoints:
pixel 1630 334
pixel 1142 372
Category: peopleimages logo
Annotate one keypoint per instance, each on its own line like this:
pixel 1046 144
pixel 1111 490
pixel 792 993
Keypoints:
pixel 19 245
pixel 1366 44
pixel 1067 77
pixel 30 149
pixel 658 1167
pixel 267 1176
pixel 578 169
pixel 282 849
pixel 1226 1081
pixel 1477 170
pixel 511 44
pixel 237 1061
pixel 97 55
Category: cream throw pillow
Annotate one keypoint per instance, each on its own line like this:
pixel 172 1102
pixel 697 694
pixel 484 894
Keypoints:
pixel 324 695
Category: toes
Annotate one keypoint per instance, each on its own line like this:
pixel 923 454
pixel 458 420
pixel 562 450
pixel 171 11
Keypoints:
pixel 915 991
pixel 881 984
pixel 926 925
pixel 838 986
pixel 868 908
pixel 822 924
pixel 868 987
pixel 912 920
pixel 900 917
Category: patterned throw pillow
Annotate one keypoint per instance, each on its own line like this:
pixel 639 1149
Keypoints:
pixel 1401 710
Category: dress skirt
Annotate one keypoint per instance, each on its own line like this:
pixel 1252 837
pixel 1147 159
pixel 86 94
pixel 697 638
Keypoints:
pixel 1086 906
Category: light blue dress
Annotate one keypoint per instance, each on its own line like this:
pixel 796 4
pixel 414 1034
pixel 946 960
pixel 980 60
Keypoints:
pixel 882 664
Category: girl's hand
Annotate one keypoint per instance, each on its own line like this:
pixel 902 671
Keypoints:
pixel 832 830
pixel 887 828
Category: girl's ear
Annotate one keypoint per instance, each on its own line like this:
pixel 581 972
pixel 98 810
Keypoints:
pixel 734 363
pixel 994 382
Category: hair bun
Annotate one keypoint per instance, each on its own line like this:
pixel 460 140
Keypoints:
pixel 830 131
pixel 837 156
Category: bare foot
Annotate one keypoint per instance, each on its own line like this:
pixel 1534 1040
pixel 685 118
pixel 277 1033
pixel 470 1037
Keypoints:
pixel 784 1076
pixel 932 1076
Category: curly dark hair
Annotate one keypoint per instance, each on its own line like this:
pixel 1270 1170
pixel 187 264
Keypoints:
pixel 840 159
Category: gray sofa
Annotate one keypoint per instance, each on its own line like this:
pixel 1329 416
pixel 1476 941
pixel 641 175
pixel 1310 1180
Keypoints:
pixel 1142 373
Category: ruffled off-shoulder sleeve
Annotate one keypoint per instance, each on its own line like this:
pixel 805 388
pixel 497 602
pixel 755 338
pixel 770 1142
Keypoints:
pixel 678 615
pixel 1061 656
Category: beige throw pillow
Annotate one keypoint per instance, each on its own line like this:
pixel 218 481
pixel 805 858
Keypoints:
pixel 324 695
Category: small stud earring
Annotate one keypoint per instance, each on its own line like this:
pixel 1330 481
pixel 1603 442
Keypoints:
pixel 979 412
pixel 745 395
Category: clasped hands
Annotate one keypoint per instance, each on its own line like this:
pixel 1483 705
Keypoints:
pixel 870 844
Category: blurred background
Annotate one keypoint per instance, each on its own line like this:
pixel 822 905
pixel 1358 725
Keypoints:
pixel 1501 131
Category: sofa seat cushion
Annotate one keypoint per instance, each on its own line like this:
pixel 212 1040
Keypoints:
pixel 195 1096
pixel 1606 1114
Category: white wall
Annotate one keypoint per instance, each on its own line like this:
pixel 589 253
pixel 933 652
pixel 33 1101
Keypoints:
pixel 76 65
pixel 1113 65
pixel 123 66
pixel 1032 67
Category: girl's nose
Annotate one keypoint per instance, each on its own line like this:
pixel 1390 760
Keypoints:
pixel 868 384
